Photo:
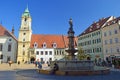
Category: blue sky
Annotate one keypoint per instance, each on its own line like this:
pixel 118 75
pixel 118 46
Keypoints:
pixel 52 16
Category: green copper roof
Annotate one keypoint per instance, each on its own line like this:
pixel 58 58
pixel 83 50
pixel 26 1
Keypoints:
pixel 26 13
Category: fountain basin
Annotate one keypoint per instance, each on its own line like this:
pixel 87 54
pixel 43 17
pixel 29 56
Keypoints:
pixel 76 68
pixel 75 65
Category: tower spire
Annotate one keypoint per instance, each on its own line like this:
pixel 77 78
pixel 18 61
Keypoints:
pixel 26 12
pixel 13 30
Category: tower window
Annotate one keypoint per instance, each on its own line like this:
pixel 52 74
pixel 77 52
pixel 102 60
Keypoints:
pixel 24 39
pixel 23 52
pixel 25 19
pixel 23 45
pixel 24 33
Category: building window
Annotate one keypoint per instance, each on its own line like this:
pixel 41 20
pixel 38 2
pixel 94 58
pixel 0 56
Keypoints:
pixel 110 41
pixel 1 47
pixel 41 59
pixel 1 56
pixel 105 34
pixel 106 51
pixel 116 40
pixel 37 52
pixel 110 33
pixel 116 31
pixel 9 47
pixel 46 53
pixel 55 52
pixel 105 41
pixel 62 53
pixel 50 52
pixel 111 50
pixel 41 52
pixel 117 49
pixel 93 50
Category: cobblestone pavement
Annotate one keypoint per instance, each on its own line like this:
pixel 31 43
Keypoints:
pixel 31 74
pixel 6 67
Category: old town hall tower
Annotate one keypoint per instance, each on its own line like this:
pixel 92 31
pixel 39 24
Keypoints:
pixel 24 37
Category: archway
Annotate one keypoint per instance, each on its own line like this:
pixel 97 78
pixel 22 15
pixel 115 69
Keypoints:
pixel 32 59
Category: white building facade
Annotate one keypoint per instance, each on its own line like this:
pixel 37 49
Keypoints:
pixel 8 46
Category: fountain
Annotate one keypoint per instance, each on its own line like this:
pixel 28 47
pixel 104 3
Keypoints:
pixel 72 66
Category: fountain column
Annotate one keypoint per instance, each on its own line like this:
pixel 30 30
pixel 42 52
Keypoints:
pixel 71 49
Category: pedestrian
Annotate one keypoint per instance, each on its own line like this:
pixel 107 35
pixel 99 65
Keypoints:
pixel 10 62
pixel 48 63
pixel 39 65
pixel 55 68
pixel 35 63
pixel 18 62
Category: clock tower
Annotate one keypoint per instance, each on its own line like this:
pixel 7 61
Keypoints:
pixel 24 37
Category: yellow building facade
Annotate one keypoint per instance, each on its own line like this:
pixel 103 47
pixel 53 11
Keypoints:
pixel 24 37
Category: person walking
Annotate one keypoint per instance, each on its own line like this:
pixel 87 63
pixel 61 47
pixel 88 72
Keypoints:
pixel 10 62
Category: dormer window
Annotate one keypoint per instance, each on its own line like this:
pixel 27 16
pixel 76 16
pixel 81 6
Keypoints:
pixel 54 45
pixel 35 45
pixel 90 29
pixel 44 45
pixel 98 26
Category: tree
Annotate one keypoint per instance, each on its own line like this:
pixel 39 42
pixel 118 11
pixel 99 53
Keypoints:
pixel 81 55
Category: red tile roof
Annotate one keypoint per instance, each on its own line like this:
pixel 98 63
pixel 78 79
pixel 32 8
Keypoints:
pixel 5 32
pixel 112 21
pixel 60 40
pixel 95 26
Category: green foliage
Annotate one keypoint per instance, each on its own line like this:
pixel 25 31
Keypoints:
pixel 81 55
